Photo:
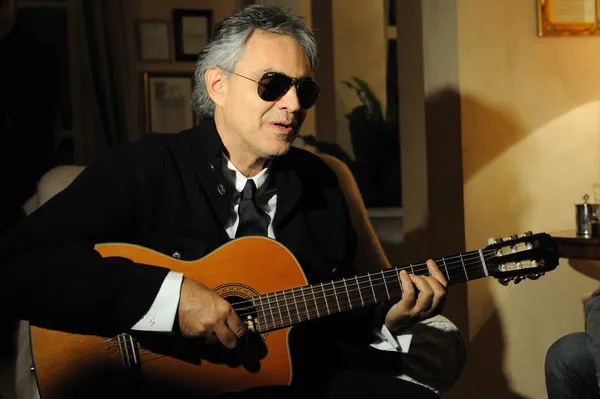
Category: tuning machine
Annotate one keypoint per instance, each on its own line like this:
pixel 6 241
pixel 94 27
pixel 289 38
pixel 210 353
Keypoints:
pixel 505 280
pixel 492 240
pixel 526 234
pixel 535 276
pixel 518 279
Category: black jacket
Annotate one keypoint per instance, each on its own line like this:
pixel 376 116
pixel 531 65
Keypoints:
pixel 163 192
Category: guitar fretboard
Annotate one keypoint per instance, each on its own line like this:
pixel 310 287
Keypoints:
pixel 285 308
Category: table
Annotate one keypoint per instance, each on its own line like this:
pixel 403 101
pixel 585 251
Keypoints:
pixel 573 246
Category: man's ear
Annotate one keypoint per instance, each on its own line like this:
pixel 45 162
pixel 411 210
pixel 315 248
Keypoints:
pixel 216 84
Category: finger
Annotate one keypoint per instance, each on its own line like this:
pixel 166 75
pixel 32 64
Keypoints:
pixel 226 336
pixel 424 298
pixel 439 293
pixel 235 324
pixel 435 272
pixel 409 296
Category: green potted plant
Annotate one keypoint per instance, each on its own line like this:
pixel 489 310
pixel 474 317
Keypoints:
pixel 375 141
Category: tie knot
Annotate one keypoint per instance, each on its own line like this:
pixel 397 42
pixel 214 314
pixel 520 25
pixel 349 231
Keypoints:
pixel 249 190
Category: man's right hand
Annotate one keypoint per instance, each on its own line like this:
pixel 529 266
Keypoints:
pixel 204 314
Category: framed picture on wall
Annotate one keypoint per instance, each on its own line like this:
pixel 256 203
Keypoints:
pixel 568 17
pixel 168 101
pixel 192 30
pixel 154 40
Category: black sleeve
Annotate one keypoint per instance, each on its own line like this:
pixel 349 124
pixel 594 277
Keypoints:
pixel 50 273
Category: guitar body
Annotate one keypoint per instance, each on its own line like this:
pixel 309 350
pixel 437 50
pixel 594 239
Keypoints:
pixel 241 269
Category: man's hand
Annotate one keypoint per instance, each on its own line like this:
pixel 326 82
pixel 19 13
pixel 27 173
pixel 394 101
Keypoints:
pixel 422 297
pixel 202 313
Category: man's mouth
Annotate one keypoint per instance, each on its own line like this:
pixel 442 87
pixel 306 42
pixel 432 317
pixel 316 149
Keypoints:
pixel 283 126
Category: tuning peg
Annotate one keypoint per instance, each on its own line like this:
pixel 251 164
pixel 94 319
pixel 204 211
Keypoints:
pixel 526 234
pixel 518 279
pixel 535 276
pixel 505 280
pixel 513 237
pixel 492 240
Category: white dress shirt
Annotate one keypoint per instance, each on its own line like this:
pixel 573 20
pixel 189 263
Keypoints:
pixel 161 315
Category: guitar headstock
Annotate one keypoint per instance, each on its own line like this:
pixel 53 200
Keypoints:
pixel 519 257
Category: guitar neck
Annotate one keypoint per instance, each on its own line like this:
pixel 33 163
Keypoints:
pixel 282 309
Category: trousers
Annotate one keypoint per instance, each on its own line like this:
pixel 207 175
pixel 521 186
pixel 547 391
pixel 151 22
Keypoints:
pixel 570 370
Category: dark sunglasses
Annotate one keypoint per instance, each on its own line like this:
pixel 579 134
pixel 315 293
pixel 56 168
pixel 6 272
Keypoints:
pixel 274 85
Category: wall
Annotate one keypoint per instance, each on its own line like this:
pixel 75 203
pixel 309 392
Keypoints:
pixel 360 49
pixel 161 10
pixel 531 149
pixel 158 9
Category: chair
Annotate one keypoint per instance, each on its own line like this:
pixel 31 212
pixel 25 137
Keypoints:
pixel 437 350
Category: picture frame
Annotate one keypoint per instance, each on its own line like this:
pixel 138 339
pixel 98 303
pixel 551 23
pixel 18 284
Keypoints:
pixel 168 101
pixel 556 18
pixel 192 29
pixel 154 40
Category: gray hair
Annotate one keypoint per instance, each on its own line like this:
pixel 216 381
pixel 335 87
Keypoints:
pixel 229 39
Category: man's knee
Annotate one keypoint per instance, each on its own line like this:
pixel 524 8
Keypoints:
pixel 567 354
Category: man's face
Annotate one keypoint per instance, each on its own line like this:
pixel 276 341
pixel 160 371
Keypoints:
pixel 255 124
pixel 8 13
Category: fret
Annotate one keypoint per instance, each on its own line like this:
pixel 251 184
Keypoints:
pixel 362 302
pixel 286 306
pixel 337 300
pixel 271 310
pixel 372 289
pixel 395 284
pixel 296 304
pixel 347 293
pixel 385 285
pixel 315 299
pixel 463 265
pixel 305 303
pixel 263 317
pixel 412 269
pixel 380 288
pixel 279 309
pixel 446 267
pixel 325 297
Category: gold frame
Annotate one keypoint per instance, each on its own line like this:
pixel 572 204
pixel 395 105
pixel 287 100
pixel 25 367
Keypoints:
pixel 547 27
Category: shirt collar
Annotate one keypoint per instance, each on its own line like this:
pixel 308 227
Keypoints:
pixel 238 180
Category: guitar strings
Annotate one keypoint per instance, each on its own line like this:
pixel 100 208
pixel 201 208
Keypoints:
pixel 373 279
pixel 319 306
pixel 306 315
pixel 280 308
pixel 366 279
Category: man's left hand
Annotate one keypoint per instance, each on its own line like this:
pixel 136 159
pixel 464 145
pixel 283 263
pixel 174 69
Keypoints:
pixel 422 298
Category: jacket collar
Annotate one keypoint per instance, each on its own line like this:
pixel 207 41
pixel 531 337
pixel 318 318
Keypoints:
pixel 206 148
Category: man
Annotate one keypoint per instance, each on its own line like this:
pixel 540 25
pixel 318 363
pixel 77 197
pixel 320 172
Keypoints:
pixel 185 195
pixel 572 365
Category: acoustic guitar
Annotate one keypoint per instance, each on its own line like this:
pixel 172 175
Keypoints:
pixel 268 289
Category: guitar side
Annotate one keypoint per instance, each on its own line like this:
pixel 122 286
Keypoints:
pixel 242 268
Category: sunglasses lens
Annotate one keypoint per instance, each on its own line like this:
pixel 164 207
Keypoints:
pixel 308 93
pixel 274 86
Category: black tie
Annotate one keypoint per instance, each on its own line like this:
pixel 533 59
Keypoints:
pixel 253 220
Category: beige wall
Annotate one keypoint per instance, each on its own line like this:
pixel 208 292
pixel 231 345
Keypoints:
pixel 360 49
pixel 531 149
